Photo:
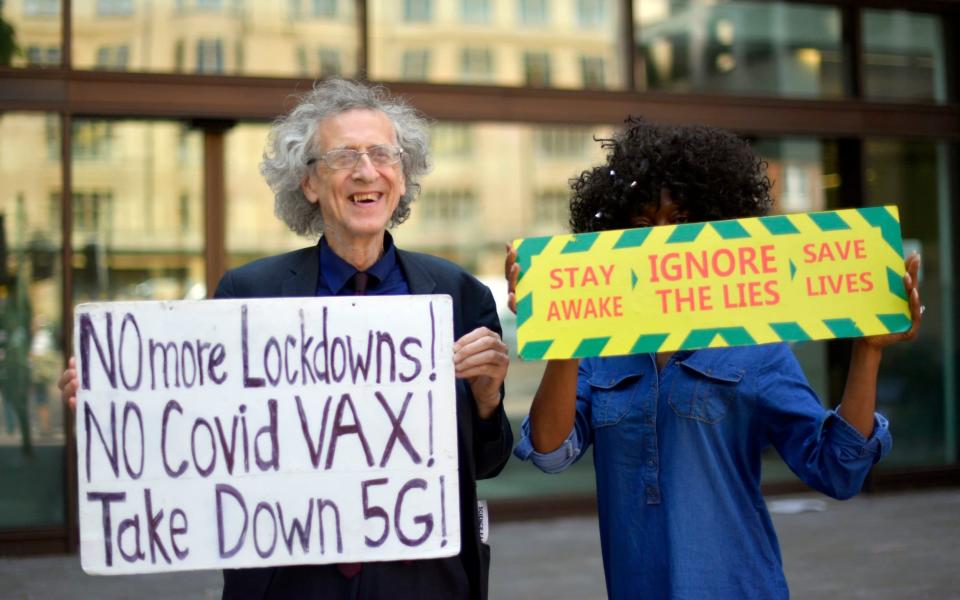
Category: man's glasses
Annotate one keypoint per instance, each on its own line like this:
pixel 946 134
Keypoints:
pixel 346 158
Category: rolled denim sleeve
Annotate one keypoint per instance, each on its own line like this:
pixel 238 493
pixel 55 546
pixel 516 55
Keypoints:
pixel 819 446
pixel 853 442
pixel 549 462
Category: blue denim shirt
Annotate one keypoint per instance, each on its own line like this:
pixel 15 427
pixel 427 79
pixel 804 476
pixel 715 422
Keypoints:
pixel 677 456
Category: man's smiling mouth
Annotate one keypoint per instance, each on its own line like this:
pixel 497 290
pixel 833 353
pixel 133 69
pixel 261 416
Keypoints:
pixel 365 198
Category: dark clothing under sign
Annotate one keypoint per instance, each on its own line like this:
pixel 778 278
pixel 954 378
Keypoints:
pixel 483 446
pixel 384 277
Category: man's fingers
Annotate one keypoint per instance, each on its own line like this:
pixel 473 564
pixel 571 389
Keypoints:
pixel 473 336
pixel 473 347
pixel 494 357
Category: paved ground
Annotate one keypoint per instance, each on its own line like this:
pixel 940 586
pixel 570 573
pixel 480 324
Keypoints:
pixel 882 547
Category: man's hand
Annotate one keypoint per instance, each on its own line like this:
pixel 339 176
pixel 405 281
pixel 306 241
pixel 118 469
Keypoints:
pixel 69 384
pixel 482 359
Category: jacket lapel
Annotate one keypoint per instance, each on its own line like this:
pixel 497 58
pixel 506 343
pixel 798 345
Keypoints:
pixel 419 278
pixel 304 271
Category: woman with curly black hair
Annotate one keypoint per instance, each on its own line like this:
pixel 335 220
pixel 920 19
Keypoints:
pixel 711 173
pixel 678 437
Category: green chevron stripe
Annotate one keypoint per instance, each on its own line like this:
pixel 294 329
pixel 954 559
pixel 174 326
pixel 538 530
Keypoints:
pixel 527 249
pixel 535 350
pixel 793 269
pixel 648 342
pixel 828 221
pixel 590 347
pixel 842 328
pixel 524 309
pixel 736 336
pixel 896 322
pixel 686 232
pixel 779 225
pixel 790 332
pixel 889 227
pixel 730 230
pixel 633 279
pixel 895 283
pixel 632 238
pixel 701 338
pixel 581 242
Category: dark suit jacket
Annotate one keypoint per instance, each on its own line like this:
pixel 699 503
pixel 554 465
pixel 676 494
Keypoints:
pixel 483 449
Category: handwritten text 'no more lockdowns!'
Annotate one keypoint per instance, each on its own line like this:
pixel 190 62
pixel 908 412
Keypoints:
pixel 225 434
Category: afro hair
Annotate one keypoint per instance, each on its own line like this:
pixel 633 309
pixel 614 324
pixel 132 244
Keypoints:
pixel 709 173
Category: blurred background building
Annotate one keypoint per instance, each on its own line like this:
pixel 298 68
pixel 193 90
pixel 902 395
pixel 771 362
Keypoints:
pixel 131 131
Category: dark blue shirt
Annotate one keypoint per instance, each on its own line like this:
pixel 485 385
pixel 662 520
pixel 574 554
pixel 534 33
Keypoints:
pixel 677 455
pixel 386 276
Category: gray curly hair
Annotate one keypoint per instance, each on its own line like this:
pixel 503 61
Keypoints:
pixel 291 144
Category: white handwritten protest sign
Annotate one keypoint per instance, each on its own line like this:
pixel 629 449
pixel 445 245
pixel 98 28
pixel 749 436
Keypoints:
pixel 241 433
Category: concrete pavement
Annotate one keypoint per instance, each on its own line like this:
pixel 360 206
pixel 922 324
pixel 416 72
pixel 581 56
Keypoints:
pixel 882 547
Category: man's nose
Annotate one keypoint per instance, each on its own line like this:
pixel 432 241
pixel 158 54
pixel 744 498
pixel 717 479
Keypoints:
pixel 365 169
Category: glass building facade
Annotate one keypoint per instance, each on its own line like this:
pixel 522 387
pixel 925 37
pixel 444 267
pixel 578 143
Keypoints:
pixel 131 132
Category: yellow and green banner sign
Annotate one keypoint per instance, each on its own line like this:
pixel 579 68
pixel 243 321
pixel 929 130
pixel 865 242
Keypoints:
pixel 789 278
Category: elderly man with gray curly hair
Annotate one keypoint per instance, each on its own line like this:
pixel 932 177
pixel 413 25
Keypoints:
pixel 344 165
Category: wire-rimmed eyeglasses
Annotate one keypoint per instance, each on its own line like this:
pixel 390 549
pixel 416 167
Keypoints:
pixel 348 158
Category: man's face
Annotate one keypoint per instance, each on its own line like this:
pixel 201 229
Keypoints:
pixel 357 202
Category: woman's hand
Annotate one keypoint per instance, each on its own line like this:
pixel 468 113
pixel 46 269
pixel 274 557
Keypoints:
pixel 511 271
pixel 910 284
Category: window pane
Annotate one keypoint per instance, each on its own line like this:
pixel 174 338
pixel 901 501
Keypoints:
pixel 475 11
pixel 31 352
pixel 903 56
pixel 307 38
pixel 917 386
pixel 30 33
pixel 137 211
pixel 741 46
pixel 529 43
pixel 252 229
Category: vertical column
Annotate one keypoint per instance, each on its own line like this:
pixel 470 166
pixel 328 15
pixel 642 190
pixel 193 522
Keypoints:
pixel 363 40
pixel 66 37
pixel 66 307
pixel 852 43
pixel 214 201
pixel 948 162
pixel 632 67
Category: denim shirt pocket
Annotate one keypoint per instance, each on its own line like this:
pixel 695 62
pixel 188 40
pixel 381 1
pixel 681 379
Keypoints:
pixel 703 392
pixel 611 395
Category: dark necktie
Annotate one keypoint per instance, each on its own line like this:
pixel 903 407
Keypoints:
pixel 360 279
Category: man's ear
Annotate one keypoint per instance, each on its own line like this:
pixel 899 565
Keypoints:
pixel 307 190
